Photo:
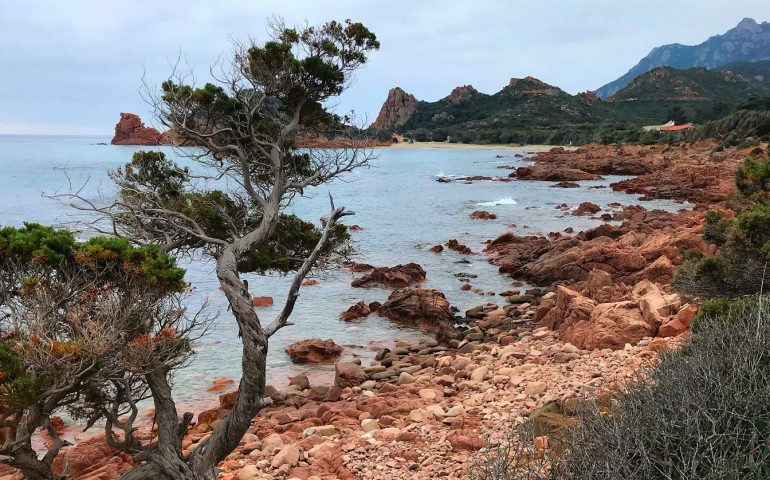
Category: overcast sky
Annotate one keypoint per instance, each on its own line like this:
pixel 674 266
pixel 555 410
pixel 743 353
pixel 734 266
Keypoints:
pixel 71 67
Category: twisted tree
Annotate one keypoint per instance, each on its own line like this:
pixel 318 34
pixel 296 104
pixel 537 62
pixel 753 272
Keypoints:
pixel 242 134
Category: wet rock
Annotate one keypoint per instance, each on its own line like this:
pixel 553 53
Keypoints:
pixel 357 311
pixel 313 350
pixel 458 247
pixel 586 208
pixel 399 276
pixel 262 301
pixel 426 308
pixel 483 215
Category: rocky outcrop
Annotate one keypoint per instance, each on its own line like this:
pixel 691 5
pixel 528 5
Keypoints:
pixel 426 308
pixel 396 110
pixel 355 312
pixel 483 215
pixel 131 131
pixel 313 350
pixel 645 311
pixel 399 276
pixel 551 173
pixel 92 459
pixel 459 94
pixel 648 246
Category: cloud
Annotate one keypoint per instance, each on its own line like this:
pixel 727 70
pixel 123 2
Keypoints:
pixel 72 67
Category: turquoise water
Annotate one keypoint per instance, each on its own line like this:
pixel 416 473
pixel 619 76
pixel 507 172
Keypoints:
pixel 401 208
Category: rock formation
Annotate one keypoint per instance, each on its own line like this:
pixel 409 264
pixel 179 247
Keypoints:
pixel 396 110
pixel 459 94
pixel 313 350
pixel 399 276
pixel 131 131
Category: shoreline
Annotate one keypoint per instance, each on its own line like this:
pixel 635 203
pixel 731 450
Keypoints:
pixel 478 146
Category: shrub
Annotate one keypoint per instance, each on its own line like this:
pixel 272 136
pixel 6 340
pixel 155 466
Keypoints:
pixel 701 413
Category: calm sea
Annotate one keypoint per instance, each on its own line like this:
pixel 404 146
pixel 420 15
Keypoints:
pixel 400 207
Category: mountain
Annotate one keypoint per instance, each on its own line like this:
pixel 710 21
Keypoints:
pixel 523 102
pixel 749 41
pixel 530 110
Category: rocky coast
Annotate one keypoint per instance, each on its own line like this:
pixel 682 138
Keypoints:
pixel 599 310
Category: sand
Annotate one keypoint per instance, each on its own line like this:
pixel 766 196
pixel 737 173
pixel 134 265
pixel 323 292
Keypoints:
pixel 468 146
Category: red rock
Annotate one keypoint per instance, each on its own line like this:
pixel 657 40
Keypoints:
pixel 131 131
pixel 360 267
pixel 586 208
pixel 458 247
pixel 396 110
pixel 92 459
pixel 392 277
pixel 467 440
pixel 348 375
pixel 426 308
pixel 483 215
pixel 313 350
pixel 357 311
pixel 553 174
pixel 465 286
pixel 262 301
pixel 437 249
pixel 355 228
pixel 310 282
pixel 459 94
pixel 227 400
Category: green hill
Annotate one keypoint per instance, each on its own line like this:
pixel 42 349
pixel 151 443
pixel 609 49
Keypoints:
pixel 531 111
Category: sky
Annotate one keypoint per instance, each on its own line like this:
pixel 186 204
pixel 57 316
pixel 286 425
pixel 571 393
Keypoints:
pixel 71 67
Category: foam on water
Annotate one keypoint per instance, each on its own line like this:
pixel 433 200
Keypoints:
pixel 495 203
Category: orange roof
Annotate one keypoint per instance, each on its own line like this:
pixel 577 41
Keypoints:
pixel 674 128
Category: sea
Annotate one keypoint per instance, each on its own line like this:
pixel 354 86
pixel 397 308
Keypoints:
pixel 400 206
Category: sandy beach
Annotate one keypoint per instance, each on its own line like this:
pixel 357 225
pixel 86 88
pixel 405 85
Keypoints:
pixel 470 146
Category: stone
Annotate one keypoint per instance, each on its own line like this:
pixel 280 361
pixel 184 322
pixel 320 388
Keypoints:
pixel 400 276
pixel 348 374
pixel 370 425
pixel 426 308
pixel 479 374
pixel 357 311
pixel 261 302
pixel 289 455
pixel 535 388
pixel 313 350
pixel 249 472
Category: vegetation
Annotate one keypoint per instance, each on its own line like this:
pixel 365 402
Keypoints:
pixel 246 128
pixel 740 266
pixel 701 413
pixel 82 325
pixel 530 111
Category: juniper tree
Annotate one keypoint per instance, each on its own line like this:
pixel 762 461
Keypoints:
pixel 241 133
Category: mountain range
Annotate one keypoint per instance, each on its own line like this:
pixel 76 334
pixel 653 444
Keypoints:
pixel 749 41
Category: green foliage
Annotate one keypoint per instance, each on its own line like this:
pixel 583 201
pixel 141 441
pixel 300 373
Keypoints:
pixel 753 176
pixel 716 227
pixel 677 114
pixel 17 386
pixel 36 242
pixel 153 169
pixel 291 242
pixel 724 309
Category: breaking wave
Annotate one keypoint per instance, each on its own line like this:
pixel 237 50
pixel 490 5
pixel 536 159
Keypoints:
pixel 494 203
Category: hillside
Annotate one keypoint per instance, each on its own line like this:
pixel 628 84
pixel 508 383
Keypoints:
pixel 749 41
pixel 531 111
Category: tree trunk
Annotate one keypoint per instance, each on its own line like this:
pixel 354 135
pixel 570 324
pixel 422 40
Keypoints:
pixel 25 459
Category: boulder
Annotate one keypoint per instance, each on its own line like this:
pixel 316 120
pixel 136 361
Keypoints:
pixel 453 244
pixel 586 208
pixel 92 459
pixel 313 350
pixel 262 302
pixel 483 215
pixel 348 375
pixel 399 276
pixel 426 308
pixel 359 310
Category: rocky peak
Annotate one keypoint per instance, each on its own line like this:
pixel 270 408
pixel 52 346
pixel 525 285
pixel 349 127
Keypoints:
pixel 461 93
pixel 396 110
pixel 749 25
pixel 131 131
pixel 532 86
